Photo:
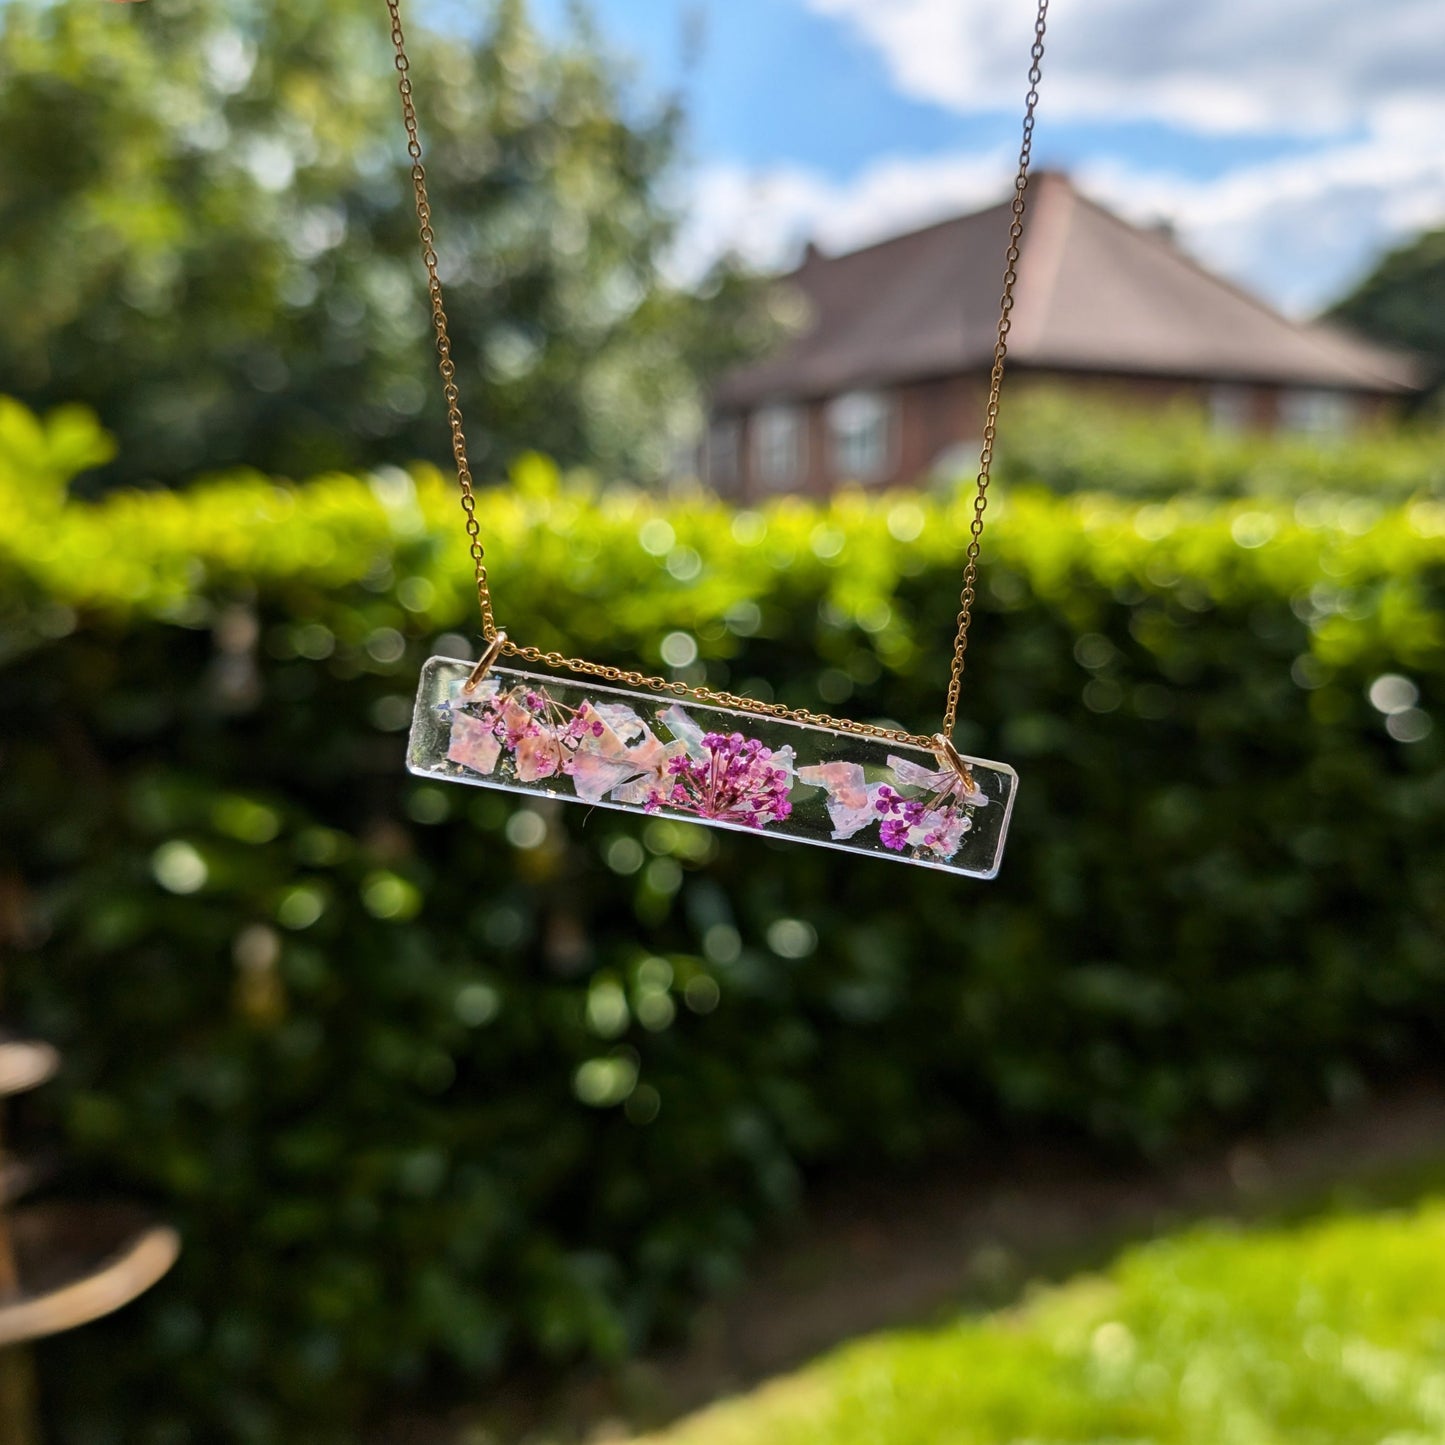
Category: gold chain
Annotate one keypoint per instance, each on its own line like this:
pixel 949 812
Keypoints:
pixel 506 647
pixel 995 381
pixel 439 323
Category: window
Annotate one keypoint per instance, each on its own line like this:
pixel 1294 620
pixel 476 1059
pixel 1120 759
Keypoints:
pixel 722 456
pixel 1317 413
pixel 778 446
pixel 860 427
pixel 1229 407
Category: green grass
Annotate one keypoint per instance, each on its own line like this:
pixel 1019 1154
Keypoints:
pixel 1327 1331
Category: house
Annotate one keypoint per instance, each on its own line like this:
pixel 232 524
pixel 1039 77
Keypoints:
pixel 888 376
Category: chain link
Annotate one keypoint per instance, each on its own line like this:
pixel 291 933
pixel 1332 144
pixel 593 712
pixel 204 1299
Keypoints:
pixel 712 695
pixel 580 665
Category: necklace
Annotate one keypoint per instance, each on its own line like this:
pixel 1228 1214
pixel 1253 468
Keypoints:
pixel 657 746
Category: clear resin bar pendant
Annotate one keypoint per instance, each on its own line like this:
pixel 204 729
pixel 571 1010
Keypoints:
pixel 641 753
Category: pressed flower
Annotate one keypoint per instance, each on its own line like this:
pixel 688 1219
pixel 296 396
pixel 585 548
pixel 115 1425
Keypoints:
pixel 935 825
pixel 727 777
pixel 608 752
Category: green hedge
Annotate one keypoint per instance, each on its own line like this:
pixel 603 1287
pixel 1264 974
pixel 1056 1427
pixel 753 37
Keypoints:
pixel 432 1096
pixel 1052 440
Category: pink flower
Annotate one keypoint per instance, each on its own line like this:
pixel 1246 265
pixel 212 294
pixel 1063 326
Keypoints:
pixel 852 800
pixel 911 823
pixel 538 754
pixel 607 751
pixel 472 743
pixel 650 761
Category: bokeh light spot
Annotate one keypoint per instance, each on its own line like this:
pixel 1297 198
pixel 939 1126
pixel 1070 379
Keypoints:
pixel 179 868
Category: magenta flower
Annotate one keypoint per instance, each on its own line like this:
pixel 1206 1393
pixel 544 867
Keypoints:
pixel 910 823
pixel 731 779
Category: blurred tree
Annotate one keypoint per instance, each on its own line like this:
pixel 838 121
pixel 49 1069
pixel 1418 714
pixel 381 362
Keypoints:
pixel 1402 301
pixel 209 237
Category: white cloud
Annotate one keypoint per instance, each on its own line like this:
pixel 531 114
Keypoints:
pixel 1361 81
pixel 1296 230
pixel 1296 66
pixel 1299 230
pixel 766 216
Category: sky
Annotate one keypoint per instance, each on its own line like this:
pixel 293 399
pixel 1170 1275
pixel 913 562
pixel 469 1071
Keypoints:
pixel 1290 142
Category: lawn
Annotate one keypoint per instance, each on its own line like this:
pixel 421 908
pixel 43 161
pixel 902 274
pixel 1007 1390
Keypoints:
pixel 1330 1330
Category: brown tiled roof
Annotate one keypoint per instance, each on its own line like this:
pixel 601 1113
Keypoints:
pixel 1094 294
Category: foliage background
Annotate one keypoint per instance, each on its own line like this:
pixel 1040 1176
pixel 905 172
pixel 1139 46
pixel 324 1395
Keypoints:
pixel 210 239
pixel 1153 454
pixel 1402 301
pixel 433 1093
